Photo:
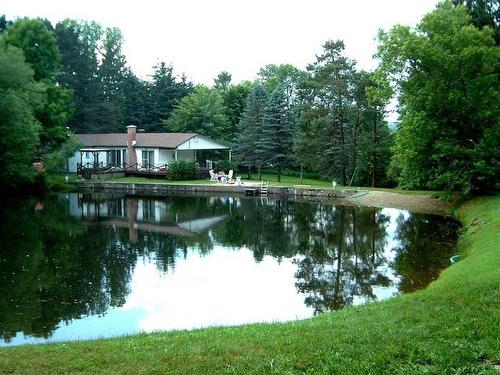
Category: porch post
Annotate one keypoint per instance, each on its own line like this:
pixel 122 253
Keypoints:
pixel 175 154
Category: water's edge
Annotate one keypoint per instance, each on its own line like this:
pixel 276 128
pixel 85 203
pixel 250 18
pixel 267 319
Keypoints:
pixel 220 188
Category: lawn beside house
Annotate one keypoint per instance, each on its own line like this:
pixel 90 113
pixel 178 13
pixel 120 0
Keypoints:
pixel 450 327
pixel 272 178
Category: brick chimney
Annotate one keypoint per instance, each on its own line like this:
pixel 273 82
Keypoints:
pixel 131 139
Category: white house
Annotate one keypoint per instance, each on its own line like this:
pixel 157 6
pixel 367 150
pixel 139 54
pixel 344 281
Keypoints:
pixel 144 150
pixel 138 214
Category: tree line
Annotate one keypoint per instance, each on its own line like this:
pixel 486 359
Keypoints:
pixel 327 119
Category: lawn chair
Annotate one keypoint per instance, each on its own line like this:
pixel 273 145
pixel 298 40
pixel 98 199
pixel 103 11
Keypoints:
pixel 213 176
pixel 230 177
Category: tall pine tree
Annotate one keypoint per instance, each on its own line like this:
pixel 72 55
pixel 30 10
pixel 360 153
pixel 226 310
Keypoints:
pixel 112 76
pixel 276 140
pixel 249 128
pixel 328 93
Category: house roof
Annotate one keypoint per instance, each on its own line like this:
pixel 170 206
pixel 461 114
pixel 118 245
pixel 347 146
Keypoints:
pixel 161 140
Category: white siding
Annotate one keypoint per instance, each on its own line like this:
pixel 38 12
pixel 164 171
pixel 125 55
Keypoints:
pixel 156 160
pixel 185 151
pixel 87 157
pixel 201 143
pixel 166 156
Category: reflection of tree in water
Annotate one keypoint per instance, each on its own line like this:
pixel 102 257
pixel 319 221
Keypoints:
pixel 424 248
pixel 54 267
pixel 340 261
pixel 53 270
pixel 264 228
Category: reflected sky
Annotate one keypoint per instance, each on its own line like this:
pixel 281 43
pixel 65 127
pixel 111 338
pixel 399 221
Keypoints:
pixel 104 265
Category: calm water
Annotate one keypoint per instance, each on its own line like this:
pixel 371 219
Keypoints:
pixel 79 266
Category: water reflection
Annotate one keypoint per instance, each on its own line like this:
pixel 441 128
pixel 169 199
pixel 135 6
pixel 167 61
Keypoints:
pixel 73 261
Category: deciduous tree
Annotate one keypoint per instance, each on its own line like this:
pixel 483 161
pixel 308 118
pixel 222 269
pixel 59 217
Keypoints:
pixel 202 111
pixel 20 97
pixel 446 74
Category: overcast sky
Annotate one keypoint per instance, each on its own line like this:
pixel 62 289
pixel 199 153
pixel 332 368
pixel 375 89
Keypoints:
pixel 203 37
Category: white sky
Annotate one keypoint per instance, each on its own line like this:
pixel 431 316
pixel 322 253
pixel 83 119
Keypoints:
pixel 203 37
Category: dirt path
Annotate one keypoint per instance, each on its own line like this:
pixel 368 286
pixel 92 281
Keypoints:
pixel 418 203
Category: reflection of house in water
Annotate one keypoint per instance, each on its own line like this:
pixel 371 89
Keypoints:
pixel 140 214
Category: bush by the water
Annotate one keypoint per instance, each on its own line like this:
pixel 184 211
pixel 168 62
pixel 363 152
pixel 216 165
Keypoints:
pixel 182 170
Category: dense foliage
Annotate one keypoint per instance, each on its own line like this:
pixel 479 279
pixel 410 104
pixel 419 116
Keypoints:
pixel 275 141
pixel 327 120
pixel 179 170
pixel 202 111
pixel 446 74
pixel 250 127
pixel 20 97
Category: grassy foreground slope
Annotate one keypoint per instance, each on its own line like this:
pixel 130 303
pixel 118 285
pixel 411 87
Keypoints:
pixel 450 327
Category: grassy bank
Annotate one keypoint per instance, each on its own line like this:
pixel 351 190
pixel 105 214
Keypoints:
pixel 451 327
pixel 272 178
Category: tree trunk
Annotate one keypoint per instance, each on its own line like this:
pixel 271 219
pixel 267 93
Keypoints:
pixel 279 174
pixel 343 166
pixel 249 171
pixel 375 148
pixel 355 143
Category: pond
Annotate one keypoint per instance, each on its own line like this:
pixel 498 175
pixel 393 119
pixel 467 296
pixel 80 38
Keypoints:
pixel 92 265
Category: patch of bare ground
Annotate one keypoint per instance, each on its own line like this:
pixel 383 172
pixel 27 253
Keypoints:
pixel 425 203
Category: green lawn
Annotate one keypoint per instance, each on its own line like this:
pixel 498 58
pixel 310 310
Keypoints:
pixel 452 327
pixel 272 178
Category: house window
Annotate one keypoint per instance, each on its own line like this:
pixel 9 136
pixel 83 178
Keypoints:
pixel 87 154
pixel 148 210
pixel 124 156
pixel 117 208
pixel 115 158
pixel 148 158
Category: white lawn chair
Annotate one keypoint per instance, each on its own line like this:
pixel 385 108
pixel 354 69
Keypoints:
pixel 213 176
pixel 230 177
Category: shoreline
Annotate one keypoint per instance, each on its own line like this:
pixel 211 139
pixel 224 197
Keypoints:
pixel 422 203
pixel 448 325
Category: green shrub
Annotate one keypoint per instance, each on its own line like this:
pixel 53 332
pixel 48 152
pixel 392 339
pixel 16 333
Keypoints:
pixel 292 173
pixel 181 170
pixel 225 165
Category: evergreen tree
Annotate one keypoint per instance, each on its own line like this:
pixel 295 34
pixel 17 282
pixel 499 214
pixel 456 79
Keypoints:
pixel 328 93
pixel 112 75
pixel 250 127
pixel 483 13
pixel 135 92
pixel 4 23
pixel 78 43
pixel 223 80
pixel 164 93
pixel 276 140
